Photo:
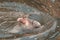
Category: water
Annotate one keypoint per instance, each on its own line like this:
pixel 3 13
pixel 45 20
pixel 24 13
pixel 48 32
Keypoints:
pixel 17 8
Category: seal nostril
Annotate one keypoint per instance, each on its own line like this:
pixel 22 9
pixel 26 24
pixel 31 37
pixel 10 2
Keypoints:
pixel 36 27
